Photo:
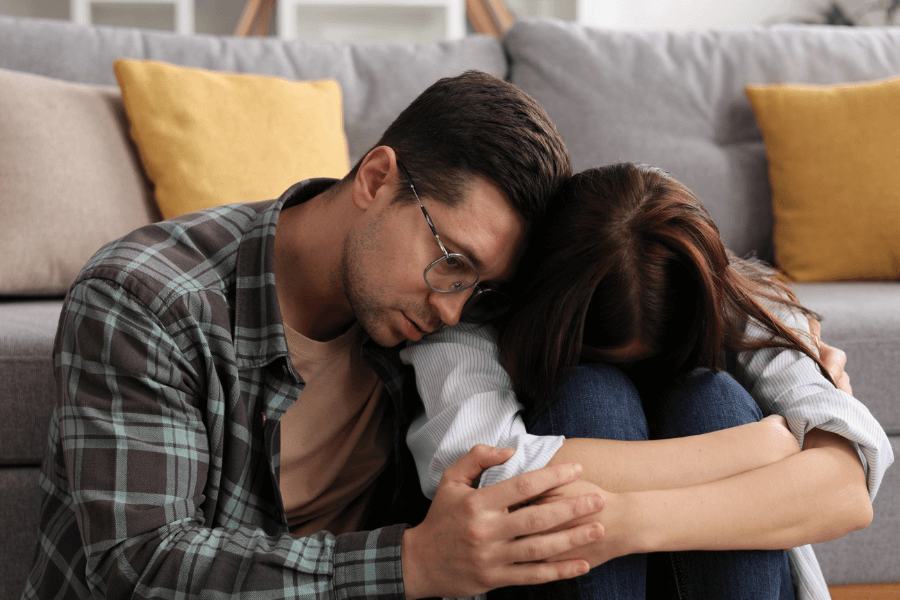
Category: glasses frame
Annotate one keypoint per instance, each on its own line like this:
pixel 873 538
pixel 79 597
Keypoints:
pixel 447 255
pixel 480 292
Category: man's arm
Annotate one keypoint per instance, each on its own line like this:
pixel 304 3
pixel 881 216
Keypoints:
pixel 139 456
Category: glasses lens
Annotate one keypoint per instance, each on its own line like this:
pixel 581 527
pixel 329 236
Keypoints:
pixel 484 305
pixel 451 273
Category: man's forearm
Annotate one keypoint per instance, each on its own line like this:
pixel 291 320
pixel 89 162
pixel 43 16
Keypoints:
pixel 630 466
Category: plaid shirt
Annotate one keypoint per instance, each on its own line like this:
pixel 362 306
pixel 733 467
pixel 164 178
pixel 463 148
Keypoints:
pixel 161 479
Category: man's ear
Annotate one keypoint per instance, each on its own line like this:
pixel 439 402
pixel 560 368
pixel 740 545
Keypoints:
pixel 377 170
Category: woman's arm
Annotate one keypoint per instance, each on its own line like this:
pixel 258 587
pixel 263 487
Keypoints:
pixel 789 383
pixel 632 466
pixel 813 496
pixel 468 399
pixel 737 472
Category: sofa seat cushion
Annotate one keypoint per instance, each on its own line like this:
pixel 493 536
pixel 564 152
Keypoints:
pixel 861 318
pixel 676 100
pixel 19 522
pixel 27 329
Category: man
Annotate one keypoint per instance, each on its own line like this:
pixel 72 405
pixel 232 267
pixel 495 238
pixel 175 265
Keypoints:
pixel 228 390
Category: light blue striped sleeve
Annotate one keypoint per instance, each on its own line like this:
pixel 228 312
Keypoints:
pixel 790 383
pixel 468 400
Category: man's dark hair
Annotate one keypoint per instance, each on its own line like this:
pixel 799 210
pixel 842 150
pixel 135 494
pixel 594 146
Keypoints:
pixel 478 124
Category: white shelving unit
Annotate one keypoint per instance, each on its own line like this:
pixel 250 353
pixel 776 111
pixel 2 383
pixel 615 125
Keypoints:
pixel 454 12
pixel 184 11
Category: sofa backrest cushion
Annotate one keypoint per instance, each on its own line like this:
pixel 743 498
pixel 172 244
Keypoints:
pixel 377 80
pixel 676 100
pixel 70 180
pixel 208 138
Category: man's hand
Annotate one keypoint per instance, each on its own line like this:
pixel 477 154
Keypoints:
pixel 474 540
pixel 834 359
pixel 621 527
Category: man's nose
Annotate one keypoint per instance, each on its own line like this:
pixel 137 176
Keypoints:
pixel 449 306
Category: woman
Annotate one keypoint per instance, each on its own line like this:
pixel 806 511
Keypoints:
pixel 629 270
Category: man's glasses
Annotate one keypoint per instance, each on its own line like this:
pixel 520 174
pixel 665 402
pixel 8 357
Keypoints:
pixel 453 272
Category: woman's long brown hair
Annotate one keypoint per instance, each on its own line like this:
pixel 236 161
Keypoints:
pixel 628 253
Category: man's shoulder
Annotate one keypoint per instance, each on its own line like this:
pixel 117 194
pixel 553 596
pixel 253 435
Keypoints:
pixel 197 252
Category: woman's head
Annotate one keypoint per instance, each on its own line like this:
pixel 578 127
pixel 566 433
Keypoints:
pixel 630 266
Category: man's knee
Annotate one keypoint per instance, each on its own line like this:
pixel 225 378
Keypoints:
pixel 597 401
pixel 700 402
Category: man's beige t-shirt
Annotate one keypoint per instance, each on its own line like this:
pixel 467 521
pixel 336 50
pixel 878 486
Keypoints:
pixel 334 438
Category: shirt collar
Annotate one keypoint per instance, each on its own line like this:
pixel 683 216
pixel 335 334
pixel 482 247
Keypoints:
pixel 259 332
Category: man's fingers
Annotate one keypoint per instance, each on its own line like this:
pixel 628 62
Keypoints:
pixel 815 329
pixel 551 515
pixel 527 486
pixel 470 466
pixel 543 572
pixel 835 361
pixel 541 547
pixel 834 358
pixel 843 383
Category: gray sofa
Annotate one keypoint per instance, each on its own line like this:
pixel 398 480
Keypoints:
pixel 671 99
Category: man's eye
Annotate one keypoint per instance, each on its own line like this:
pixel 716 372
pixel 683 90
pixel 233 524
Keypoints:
pixel 454 263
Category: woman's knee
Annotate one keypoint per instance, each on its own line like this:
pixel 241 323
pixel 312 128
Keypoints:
pixel 700 402
pixel 597 401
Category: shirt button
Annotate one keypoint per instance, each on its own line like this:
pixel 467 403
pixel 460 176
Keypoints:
pixel 284 369
pixel 262 419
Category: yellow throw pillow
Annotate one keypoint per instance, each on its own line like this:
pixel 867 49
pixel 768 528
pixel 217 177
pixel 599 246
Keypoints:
pixel 207 139
pixel 834 166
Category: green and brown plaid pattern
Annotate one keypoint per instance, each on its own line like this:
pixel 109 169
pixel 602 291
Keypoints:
pixel 172 373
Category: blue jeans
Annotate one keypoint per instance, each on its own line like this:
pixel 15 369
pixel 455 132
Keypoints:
pixel 601 402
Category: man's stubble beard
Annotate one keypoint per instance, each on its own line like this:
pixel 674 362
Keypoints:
pixel 367 299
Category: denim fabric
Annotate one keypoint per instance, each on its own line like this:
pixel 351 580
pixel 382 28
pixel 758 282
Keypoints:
pixel 601 402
